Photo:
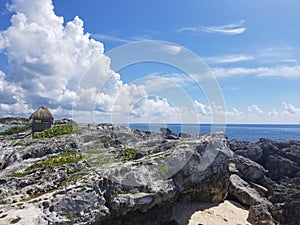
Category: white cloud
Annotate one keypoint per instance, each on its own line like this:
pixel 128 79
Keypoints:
pixel 255 109
pixel 11 96
pixel 228 29
pixel 278 71
pixel 192 29
pixel 45 57
pixel 173 49
pixel 48 58
pixel 234 113
pixel 110 38
pixel 232 29
pixel 154 108
pixel 202 109
pixel 273 113
pixel 290 109
pixel 164 81
pixel 228 59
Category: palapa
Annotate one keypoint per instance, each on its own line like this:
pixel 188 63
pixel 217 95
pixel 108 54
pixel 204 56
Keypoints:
pixel 42 119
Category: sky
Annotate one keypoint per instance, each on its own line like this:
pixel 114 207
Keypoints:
pixel 62 54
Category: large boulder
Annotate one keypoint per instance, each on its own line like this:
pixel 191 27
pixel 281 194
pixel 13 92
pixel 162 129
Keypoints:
pixel 279 166
pixel 242 191
pixel 247 168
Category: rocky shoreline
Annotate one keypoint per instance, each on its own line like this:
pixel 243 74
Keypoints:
pixel 107 174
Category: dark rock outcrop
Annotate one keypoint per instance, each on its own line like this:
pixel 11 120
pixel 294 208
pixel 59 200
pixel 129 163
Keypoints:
pixel 278 181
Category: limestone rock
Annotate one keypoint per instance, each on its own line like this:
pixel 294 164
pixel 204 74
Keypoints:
pixel 248 169
pixel 260 215
pixel 243 191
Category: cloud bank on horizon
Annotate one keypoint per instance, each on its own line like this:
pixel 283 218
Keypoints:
pixel 48 56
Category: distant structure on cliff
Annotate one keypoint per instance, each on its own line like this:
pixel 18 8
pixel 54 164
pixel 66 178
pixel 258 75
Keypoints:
pixel 42 119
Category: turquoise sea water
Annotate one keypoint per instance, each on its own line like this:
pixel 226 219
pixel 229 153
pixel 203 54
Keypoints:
pixel 247 132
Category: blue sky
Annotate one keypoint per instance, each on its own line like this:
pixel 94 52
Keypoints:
pixel 252 48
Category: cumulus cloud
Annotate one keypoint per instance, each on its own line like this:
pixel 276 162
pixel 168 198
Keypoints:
pixel 202 109
pixel 48 58
pixel 207 110
pixel 45 56
pixel 255 109
pixel 234 113
pixel 273 112
pixel 290 109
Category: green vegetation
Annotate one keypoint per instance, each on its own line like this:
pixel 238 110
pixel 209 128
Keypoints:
pixel 105 139
pixel 14 221
pixel 21 174
pixel 95 151
pixel 72 216
pixel 166 157
pixel 16 129
pixel 72 178
pixel 20 204
pixel 18 143
pixel 163 170
pixel 34 201
pixel 122 192
pixel 128 154
pixel 56 130
pixel 102 161
pixel 64 158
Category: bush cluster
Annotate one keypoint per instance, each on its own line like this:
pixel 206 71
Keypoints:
pixel 56 130
pixel 128 154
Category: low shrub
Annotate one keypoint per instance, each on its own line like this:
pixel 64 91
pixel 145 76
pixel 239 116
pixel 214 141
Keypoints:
pixel 128 154
pixel 56 130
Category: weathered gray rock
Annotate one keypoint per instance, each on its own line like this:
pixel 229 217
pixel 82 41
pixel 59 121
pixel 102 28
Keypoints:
pixel 241 190
pixel 248 169
pixel 260 215
pixel 128 177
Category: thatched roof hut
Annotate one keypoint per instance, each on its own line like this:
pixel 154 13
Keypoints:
pixel 41 120
pixel 42 114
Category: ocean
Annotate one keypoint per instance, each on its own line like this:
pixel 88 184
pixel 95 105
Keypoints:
pixel 246 132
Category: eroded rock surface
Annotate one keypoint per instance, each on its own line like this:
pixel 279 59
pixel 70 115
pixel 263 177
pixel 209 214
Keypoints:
pixel 107 174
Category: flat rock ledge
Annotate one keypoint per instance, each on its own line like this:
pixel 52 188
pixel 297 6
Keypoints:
pixel 112 175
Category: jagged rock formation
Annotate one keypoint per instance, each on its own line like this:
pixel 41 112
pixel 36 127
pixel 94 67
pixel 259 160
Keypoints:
pixel 277 179
pixel 106 174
